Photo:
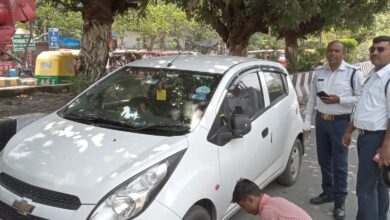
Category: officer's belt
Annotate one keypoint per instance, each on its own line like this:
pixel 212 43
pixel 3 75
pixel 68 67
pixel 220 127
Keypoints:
pixel 327 117
pixel 363 131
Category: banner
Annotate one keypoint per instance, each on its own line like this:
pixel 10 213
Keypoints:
pixel 20 40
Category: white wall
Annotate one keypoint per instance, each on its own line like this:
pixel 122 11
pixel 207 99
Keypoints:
pixel 129 41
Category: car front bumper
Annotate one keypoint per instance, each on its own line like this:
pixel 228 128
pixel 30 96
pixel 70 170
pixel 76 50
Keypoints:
pixel 156 210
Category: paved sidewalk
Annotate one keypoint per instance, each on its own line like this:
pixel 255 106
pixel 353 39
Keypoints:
pixel 24 88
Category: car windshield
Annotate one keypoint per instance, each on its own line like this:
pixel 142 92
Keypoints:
pixel 147 100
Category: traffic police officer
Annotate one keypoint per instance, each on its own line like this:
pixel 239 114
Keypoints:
pixel 335 89
pixel 371 118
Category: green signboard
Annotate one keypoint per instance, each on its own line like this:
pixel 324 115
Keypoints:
pixel 19 41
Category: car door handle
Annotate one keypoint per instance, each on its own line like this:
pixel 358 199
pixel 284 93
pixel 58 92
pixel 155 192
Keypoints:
pixel 264 133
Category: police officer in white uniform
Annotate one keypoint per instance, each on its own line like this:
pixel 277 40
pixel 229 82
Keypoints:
pixel 340 84
pixel 371 118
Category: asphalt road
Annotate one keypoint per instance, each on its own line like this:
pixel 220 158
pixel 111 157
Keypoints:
pixel 309 185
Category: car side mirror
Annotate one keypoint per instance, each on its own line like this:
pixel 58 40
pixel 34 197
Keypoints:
pixel 241 125
pixel 223 130
pixel 224 137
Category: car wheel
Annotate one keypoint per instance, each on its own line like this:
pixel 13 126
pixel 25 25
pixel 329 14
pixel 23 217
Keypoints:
pixel 291 173
pixel 197 212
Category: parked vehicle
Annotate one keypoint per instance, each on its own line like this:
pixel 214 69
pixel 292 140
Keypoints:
pixel 55 67
pixel 160 138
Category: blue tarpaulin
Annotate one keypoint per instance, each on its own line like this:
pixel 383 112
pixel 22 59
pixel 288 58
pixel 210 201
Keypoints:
pixel 68 42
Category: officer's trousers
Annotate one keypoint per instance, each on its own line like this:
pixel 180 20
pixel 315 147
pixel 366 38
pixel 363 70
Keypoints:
pixel 332 157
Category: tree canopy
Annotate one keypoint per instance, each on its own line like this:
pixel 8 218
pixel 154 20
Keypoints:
pixel 324 14
pixel 68 22
pixel 236 20
pixel 164 25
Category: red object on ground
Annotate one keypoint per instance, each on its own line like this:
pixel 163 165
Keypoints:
pixel 10 12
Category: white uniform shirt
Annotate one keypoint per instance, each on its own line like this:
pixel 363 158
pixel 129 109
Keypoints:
pixel 372 111
pixel 334 83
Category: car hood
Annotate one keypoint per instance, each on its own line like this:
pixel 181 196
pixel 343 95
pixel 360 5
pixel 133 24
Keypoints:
pixel 82 160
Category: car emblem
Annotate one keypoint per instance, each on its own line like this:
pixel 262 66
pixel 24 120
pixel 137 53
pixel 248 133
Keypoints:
pixel 22 207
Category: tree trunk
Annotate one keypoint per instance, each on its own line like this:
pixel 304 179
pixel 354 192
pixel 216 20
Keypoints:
pixel 162 43
pixel 179 44
pixel 122 43
pixel 237 45
pixel 235 22
pixel 291 50
pixel 93 57
pixel 149 43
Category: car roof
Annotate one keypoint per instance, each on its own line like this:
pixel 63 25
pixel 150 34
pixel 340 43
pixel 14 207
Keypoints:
pixel 199 63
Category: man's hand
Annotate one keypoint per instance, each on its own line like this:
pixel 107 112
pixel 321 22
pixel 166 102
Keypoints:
pixel 306 130
pixel 384 155
pixel 346 140
pixel 331 99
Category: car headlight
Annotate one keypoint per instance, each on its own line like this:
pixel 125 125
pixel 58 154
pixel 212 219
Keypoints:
pixel 132 197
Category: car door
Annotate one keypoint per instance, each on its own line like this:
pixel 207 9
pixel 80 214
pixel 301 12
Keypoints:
pixel 280 106
pixel 247 156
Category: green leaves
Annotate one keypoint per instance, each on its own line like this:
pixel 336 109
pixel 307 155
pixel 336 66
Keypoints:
pixel 162 23
pixel 50 15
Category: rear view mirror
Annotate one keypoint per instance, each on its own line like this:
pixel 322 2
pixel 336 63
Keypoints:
pixel 241 125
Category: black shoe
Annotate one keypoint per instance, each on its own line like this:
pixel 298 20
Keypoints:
pixel 339 212
pixel 322 198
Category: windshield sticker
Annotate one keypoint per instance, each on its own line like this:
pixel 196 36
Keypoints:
pixel 201 92
pixel 161 95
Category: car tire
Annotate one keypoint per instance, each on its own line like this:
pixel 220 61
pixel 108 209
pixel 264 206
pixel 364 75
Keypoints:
pixel 197 212
pixel 293 168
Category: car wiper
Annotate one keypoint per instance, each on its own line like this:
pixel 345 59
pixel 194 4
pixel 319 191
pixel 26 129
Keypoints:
pixel 124 126
pixel 98 121
pixel 166 127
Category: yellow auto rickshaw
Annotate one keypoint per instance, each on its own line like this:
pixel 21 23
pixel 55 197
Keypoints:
pixel 55 67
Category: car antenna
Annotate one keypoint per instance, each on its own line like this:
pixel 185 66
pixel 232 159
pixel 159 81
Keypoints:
pixel 169 64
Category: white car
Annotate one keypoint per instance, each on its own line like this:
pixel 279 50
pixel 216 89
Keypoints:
pixel 161 138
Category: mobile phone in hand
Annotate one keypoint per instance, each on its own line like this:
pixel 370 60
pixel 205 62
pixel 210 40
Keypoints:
pixel 322 94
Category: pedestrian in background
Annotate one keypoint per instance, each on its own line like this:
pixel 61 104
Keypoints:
pixel 371 118
pixel 335 89
pixel 249 197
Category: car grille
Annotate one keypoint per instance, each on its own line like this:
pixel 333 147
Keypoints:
pixel 9 213
pixel 39 195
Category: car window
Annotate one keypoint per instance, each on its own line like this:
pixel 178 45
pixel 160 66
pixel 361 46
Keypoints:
pixel 146 98
pixel 244 96
pixel 276 84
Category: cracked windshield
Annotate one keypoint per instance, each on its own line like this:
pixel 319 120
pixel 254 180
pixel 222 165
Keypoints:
pixel 145 100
